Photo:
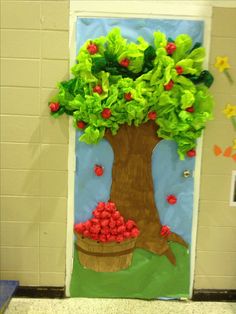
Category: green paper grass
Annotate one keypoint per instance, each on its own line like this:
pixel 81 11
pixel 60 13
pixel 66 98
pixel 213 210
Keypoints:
pixel 149 277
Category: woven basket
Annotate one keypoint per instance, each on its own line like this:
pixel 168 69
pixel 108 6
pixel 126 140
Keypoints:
pixel 105 257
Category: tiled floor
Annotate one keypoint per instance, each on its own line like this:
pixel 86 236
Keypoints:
pixel 115 306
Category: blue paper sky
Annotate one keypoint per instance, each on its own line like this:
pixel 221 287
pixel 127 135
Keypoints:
pixel 167 168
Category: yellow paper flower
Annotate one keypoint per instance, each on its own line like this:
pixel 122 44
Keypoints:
pixel 230 111
pixel 234 145
pixel 222 63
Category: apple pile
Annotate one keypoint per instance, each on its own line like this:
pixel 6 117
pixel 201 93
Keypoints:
pixel 107 225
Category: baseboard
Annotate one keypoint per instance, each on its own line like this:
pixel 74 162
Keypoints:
pixel 59 293
pixel 214 295
pixel 40 292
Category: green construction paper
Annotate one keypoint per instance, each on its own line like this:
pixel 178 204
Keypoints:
pixel 149 277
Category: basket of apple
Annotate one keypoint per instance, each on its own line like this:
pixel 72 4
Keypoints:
pixel 105 243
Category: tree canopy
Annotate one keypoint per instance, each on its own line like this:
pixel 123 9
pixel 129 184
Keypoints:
pixel 116 82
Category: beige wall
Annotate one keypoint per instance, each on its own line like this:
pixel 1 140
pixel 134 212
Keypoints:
pixel 34 56
pixel 216 243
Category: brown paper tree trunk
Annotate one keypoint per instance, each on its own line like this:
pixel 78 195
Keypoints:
pixel 132 185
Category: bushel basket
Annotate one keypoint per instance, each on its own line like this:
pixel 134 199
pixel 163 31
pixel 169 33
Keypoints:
pixel 105 257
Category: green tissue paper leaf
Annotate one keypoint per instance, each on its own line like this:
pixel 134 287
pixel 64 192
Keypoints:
pixel 130 91
pixel 183 45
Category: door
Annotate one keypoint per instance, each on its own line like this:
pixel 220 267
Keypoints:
pixel 149 184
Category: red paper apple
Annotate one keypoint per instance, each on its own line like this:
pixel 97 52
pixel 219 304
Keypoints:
pixel 95 221
pixel 116 215
pixel 81 124
pixel 128 96
pixel 179 69
pixel 54 106
pixel 119 238
pixel 134 232
pixel 165 231
pixel 112 223
pixel 152 115
pixel 111 238
pixel 96 213
pixel 106 113
pixel 100 206
pixel 121 229
pixel 171 199
pixel 98 170
pixel 102 238
pixel 105 222
pixel 92 48
pixel 127 234
pixel 111 207
pixel 125 62
pixel 105 214
pixel 95 237
pixel 169 85
pixel 130 224
pixel 114 231
pixel 98 89
pixel 170 48
pixel 105 230
pixel 95 229
pixel 191 153
pixel 86 233
pixel 88 224
pixel 79 228
pixel 120 221
pixel 190 109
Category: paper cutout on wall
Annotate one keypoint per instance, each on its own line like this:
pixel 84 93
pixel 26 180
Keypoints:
pixel 230 113
pixel 234 144
pixel 228 152
pixel 222 64
pixel 217 150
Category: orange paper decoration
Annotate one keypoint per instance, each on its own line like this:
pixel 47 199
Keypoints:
pixel 234 157
pixel 228 152
pixel 217 150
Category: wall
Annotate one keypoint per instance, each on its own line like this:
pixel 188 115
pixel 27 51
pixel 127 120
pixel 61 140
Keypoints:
pixel 216 243
pixel 34 56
